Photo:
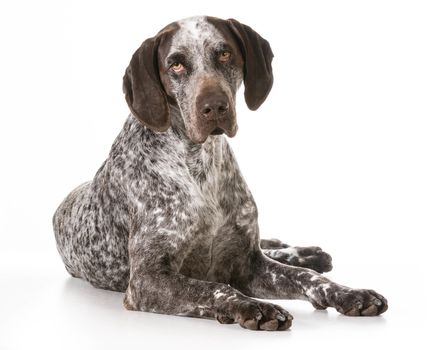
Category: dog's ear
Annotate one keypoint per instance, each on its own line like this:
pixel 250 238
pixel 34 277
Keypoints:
pixel 258 74
pixel 143 89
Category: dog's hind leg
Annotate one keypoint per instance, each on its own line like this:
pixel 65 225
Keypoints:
pixel 310 257
pixel 267 279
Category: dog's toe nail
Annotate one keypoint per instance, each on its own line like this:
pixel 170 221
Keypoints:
pixel 281 317
pixel 287 324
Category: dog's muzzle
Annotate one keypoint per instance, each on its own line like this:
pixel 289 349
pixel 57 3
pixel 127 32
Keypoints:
pixel 215 112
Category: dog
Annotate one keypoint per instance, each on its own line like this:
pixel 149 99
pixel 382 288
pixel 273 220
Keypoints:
pixel 168 218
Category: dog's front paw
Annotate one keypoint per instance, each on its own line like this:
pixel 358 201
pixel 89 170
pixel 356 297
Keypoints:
pixel 359 302
pixel 255 315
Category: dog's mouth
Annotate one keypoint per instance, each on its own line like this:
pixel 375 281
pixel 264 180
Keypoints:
pixel 217 131
pixel 200 135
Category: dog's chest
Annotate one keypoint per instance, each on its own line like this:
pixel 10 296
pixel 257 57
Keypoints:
pixel 191 206
pixel 209 216
pixel 196 253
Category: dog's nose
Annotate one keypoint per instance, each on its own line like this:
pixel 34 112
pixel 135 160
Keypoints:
pixel 214 106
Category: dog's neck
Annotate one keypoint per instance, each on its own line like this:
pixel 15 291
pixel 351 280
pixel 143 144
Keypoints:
pixel 201 159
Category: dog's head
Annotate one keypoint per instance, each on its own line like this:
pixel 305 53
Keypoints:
pixel 197 65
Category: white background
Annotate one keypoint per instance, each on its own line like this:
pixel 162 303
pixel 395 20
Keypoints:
pixel 344 154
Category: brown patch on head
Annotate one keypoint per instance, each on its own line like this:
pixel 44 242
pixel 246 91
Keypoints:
pixel 142 86
pixel 257 54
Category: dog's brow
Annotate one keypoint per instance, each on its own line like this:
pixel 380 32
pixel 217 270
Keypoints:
pixel 222 45
pixel 176 57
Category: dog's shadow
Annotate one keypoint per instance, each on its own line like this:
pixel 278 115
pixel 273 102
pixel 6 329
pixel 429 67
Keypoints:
pixel 104 309
pixel 87 307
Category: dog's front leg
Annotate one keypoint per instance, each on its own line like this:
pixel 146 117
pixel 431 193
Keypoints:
pixel 272 280
pixel 156 285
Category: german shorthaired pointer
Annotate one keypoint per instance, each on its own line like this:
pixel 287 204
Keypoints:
pixel 168 219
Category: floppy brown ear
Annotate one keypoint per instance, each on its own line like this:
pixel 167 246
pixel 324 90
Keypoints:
pixel 258 74
pixel 143 90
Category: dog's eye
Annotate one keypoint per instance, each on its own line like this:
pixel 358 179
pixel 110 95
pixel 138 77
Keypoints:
pixel 177 67
pixel 224 56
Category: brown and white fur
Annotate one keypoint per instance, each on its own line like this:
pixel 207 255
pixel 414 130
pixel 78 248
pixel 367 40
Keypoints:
pixel 168 218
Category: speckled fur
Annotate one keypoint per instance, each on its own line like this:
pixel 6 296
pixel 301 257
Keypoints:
pixel 173 224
